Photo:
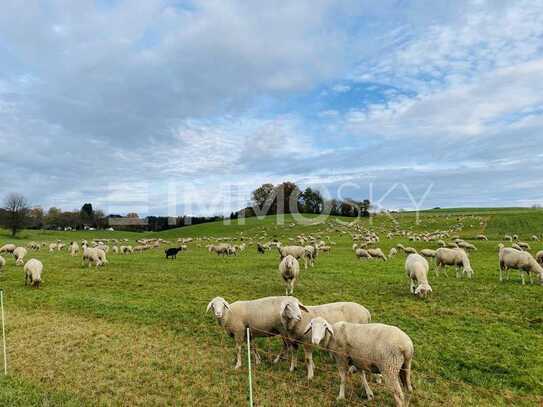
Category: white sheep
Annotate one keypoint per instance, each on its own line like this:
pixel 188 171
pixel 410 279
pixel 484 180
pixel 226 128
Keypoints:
pixel 298 252
pixel 295 323
pixel 416 268
pixel 481 237
pixel 453 257
pixel 73 249
pixel 466 245
pixel 539 257
pixel 409 250
pixel 369 348
pixel 261 316
pixel 428 253
pixel 289 268
pixel 8 248
pixel 362 254
pixel 91 255
pixel 524 262
pixel 33 269
pixel 19 253
pixel 377 253
pixel 392 252
pixel 52 247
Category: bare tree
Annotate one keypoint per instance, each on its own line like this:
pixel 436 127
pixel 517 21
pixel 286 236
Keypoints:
pixel 16 212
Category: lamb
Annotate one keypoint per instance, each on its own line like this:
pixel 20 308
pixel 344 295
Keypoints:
pixel 311 253
pixel 428 253
pixel 261 316
pixel 369 348
pixel 298 252
pixel 73 249
pixel 19 253
pixel 289 268
pixel 8 248
pixel 362 254
pixel 392 252
pixel 2 263
pixel 295 323
pixel 453 257
pixel 33 269
pixel 416 268
pixel 377 253
pixel 523 261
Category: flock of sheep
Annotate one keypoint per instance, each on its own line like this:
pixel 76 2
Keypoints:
pixel 345 329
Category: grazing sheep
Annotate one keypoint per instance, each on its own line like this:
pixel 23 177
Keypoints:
pixel 535 238
pixel 481 237
pixel 289 268
pixel 466 246
pixel 2 263
pixel 261 316
pixel 508 238
pixel 101 255
pixel 416 268
pixel 524 262
pixel 52 247
pixel 311 253
pixel 377 254
pixel 428 253
pixel 362 254
pixel 525 246
pixel 260 248
pixel 8 248
pixel 453 257
pixel 441 243
pixel 295 323
pixel 392 252
pixel 370 348
pixel 172 252
pixel 19 253
pixel 516 247
pixel 409 250
pixel 33 269
pixel 115 249
pixel 539 257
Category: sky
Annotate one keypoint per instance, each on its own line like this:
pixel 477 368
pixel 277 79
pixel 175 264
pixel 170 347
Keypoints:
pixel 185 107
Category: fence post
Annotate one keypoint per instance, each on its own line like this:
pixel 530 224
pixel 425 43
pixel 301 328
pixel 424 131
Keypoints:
pixel 3 332
pixel 249 368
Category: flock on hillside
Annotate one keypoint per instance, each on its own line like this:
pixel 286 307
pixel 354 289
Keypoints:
pixel 383 352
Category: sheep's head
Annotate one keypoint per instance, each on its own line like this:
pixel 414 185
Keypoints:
pixel 318 327
pixel 423 290
pixel 468 271
pixel 291 312
pixel 219 307
pixel 290 261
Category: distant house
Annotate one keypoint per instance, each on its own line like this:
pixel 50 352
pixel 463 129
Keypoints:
pixel 127 223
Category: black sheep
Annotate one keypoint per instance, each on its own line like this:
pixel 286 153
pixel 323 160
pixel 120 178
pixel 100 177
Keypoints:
pixel 172 252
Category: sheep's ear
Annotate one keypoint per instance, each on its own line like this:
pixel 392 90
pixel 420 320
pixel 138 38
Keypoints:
pixel 303 307
pixel 329 329
pixel 308 329
pixel 210 305
pixel 226 305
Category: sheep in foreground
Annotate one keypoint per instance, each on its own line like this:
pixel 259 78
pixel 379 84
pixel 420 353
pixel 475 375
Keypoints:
pixel 453 257
pixel 261 316
pixel 298 252
pixel 377 253
pixel 362 254
pixel 33 269
pixel 73 249
pixel 370 348
pixel 416 268
pixel 2 263
pixel 19 253
pixel 8 248
pixel 295 323
pixel 289 268
pixel 524 262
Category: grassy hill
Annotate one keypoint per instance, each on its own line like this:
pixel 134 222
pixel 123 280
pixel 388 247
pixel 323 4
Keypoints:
pixel 135 332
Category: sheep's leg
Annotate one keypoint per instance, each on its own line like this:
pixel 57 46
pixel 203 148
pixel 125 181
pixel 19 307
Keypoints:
pixel 413 287
pixel 239 346
pixel 258 360
pixel 369 393
pixel 308 354
pixel 405 375
pixel 392 382
pixel 293 358
pixel 531 278
pixel 281 353
pixel 522 277
pixel 342 369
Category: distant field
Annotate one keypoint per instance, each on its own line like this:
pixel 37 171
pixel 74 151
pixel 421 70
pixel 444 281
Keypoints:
pixel 136 332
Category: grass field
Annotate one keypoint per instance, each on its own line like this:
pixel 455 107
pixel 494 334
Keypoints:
pixel 136 332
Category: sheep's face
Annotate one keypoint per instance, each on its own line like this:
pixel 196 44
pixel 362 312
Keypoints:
pixel 423 290
pixel 219 306
pixel 318 328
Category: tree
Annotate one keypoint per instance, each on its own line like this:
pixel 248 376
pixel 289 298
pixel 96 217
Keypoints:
pixel 263 199
pixel 311 201
pixel 87 213
pixel 287 195
pixel 16 212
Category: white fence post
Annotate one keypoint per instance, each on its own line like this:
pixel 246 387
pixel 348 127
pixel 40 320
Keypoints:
pixel 249 368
